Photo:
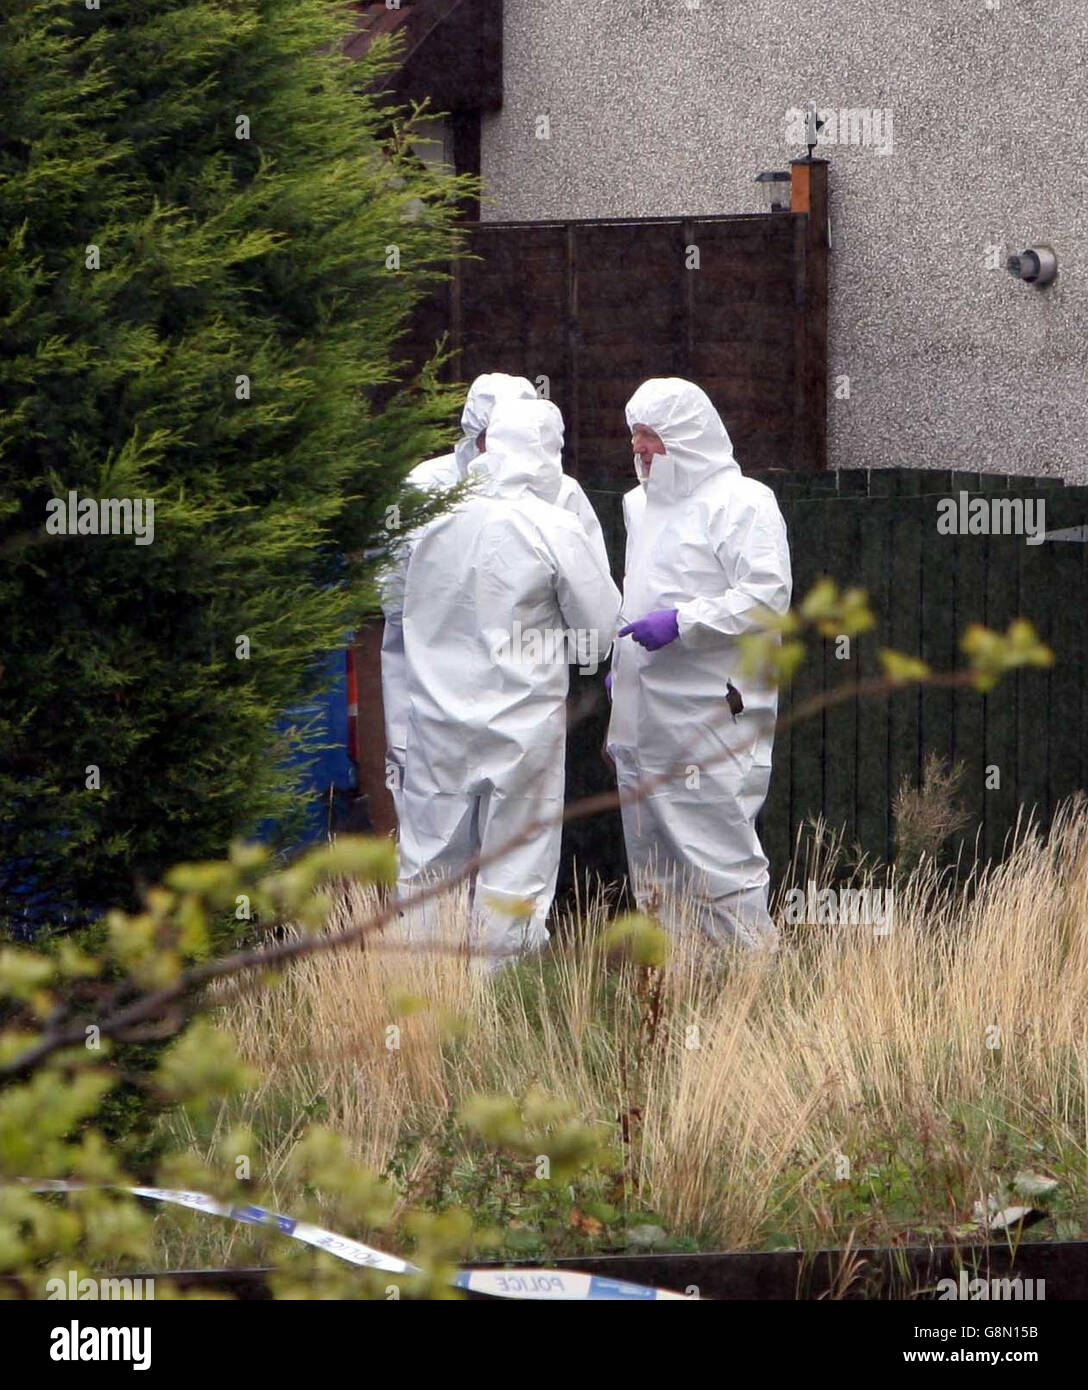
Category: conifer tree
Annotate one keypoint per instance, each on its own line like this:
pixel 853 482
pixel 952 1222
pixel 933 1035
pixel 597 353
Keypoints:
pixel 209 248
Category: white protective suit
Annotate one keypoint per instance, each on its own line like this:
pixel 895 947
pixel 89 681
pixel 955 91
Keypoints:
pixel 711 543
pixel 492 591
pixel 439 475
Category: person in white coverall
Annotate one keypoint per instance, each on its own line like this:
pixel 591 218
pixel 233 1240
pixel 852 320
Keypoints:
pixel 439 475
pixel 706 548
pixel 499 595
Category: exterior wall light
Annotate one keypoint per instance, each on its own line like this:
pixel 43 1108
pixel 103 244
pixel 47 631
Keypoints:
pixel 774 186
pixel 1038 265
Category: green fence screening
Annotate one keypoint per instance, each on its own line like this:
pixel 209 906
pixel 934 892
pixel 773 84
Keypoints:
pixel 878 529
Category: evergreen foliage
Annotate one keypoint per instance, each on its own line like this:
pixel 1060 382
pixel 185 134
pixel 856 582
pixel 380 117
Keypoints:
pixel 246 193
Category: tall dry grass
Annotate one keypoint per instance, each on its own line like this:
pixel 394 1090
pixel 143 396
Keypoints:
pixel 946 1050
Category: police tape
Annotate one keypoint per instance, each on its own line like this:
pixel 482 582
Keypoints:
pixel 556 1283
pixel 529 1283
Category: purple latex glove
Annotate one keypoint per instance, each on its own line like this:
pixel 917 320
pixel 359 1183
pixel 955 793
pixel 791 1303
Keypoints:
pixel 608 684
pixel 655 630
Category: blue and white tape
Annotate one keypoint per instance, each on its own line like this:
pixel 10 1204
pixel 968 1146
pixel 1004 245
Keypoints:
pixel 554 1283
pixel 499 1283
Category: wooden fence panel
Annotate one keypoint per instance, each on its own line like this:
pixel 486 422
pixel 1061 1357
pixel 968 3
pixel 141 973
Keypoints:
pixel 510 310
pixel 1036 601
pixel 926 588
pixel 938 618
pixel 842 526
pixel 875 547
pixel 806 525
pixel 1002 606
pixel 969 705
pixel 1069 615
pixel 776 821
pixel 774 824
pixel 628 323
pixel 598 306
pixel 1083 603
pixel 904 628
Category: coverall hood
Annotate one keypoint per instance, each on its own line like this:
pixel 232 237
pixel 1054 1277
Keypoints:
pixel 483 395
pixel 697 444
pixel 524 451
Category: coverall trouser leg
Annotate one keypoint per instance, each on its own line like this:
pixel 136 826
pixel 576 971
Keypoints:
pixel 700 843
pixel 512 896
pixel 394 780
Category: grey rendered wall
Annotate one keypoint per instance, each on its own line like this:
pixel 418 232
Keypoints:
pixel 670 107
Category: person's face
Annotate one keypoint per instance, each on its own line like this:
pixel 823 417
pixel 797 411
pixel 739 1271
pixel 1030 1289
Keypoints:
pixel 646 445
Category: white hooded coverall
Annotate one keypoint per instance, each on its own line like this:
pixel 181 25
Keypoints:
pixel 491 592
pixel 439 475
pixel 711 543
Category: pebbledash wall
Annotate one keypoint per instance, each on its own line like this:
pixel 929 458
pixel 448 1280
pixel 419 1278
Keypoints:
pixel 671 107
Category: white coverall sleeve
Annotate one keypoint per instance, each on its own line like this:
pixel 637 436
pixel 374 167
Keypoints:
pixel 580 506
pixel 588 599
pixel 392 579
pixel 391 585
pixel 755 560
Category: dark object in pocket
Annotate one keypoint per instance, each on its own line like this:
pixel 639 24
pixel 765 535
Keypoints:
pixel 732 699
